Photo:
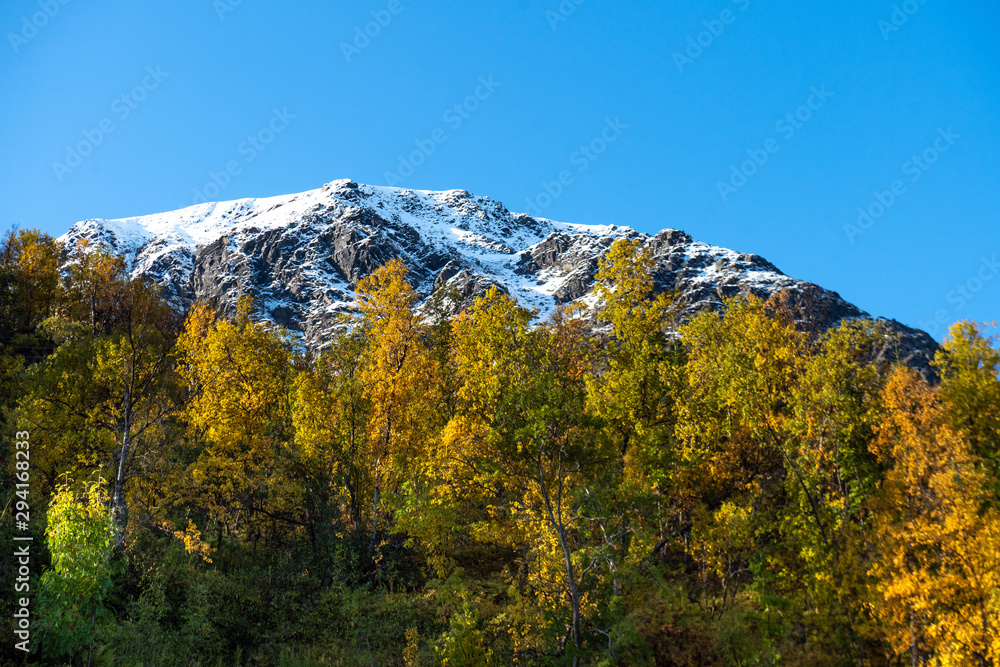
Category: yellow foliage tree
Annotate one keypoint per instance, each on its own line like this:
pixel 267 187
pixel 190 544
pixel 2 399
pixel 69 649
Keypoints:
pixel 774 426
pixel 937 593
pixel 550 465
pixel 331 420
pixel 103 400
pixel 33 259
pixel 239 376
pixel 397 374
pixel 93 287
pixel 732 404
pixel 830 474
pixel 632 392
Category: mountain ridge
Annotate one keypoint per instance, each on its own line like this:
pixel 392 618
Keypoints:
pixel 301 255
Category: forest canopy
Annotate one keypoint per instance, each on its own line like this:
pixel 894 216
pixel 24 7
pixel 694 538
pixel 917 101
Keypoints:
pixel 487 488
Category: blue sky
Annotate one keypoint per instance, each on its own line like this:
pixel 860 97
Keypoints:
pixel 115 109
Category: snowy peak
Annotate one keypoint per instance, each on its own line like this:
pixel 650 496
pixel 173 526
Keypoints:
pixel 300 256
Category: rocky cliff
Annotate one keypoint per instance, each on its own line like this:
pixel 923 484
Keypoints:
pixel 300 257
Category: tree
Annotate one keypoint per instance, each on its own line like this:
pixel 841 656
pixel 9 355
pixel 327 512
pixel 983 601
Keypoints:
pixel 330 418
pixel 632 391
pixel 80 536
pixel 135 366
pixel 96 281
pixel 8 304
pixel 10 367
pixel 30 260
pixel 937 593
pixel 239 376
pixel 774 466
pixel 398 374
pixel 742 365
pixel 830 476
pixel 107 397
pixel 545 453
pixel 969 365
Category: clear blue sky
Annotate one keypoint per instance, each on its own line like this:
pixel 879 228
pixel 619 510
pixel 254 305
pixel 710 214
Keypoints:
pixel 564 69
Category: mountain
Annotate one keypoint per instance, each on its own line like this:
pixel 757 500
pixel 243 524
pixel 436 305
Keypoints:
pixel 300 257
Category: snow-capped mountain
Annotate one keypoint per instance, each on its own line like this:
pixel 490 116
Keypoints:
pixel 300 256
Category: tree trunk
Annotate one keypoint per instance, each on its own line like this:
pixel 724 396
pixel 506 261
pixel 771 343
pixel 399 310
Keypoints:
pixel 119 507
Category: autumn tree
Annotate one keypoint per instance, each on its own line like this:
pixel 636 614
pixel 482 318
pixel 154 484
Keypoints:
pixel 733 409
pixel 135 365
pixel 95 287
pixel 631 390
pixel 544 453
pixel 30 260
pixel 331 418
pixel 102 401
pixel 8 304
pixel 937 571
pixel 238 373
pixel 398 376
pixel 773 425
pixel 830 475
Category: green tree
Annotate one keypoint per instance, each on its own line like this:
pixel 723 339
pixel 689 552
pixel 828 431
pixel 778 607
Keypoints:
pixel 80 537
pixel 970 387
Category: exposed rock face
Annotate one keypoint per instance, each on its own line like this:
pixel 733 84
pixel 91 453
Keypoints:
pixel 301 256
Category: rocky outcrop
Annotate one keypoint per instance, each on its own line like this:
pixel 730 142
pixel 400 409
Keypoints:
pixel 301 256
